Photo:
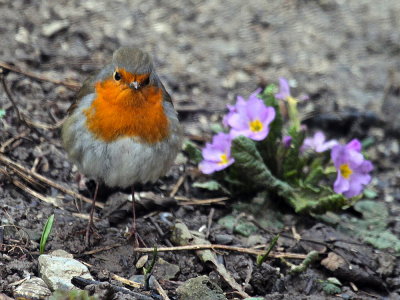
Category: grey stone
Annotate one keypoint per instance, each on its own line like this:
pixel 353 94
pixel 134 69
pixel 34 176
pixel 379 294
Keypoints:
pixel 57 271
pixel 200 288
pixel 61 253
pixel 33 288
pixel 52 28
pixel 165 270
pixel 223 238
pixel 140 279
pixel 255 239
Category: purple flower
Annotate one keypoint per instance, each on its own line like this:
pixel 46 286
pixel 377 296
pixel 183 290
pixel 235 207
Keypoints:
pixel 287 141
pixel 284 91
pixel 234 108
pixel 353 169
pixel 251 119
pixel 217 155
pixel 317 143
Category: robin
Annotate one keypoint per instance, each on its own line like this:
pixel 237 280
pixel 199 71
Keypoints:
pixel 122 128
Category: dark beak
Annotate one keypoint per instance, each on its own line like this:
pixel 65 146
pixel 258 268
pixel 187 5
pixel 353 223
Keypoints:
pixel 134 85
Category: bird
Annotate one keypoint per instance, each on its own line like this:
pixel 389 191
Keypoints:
pixel 122 129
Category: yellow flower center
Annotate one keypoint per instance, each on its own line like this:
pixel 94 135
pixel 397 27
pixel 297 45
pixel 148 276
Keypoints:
pixel 345 171
pixel 256 126
pixel 224 159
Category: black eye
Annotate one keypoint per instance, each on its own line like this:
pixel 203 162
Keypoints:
pixel 117 76
pixel 145 82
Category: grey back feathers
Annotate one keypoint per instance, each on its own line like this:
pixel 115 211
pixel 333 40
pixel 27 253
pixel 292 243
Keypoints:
pixel 132 60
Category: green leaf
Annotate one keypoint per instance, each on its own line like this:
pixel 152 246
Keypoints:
pixel 253 170
pixel 262 258
pixel 309 199
pixel 270 90
pixel 46 232
pixel 334 281
pixel 2 113
pixel 370 194
pixel 292 162
pixel 373 227
pixel 216 128
pixel 330 288
pixel 210 185
pixel 268 147
pixel 193 151
pixel 240 226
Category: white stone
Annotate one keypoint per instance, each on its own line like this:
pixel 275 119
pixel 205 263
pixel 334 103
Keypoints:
pixel 57 271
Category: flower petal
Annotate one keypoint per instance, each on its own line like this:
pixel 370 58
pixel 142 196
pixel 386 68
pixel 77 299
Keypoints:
pixel 284 89
pixel 207 167
pixel 341 184
pixel 238 122
pixel 357 184
pixel 255 109
pixel 260 135
pixel 354 145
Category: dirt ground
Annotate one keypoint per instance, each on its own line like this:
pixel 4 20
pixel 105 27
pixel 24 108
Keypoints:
pixel 344 54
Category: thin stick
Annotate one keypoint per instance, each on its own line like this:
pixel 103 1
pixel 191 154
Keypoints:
pixel 69 83
pixel 126 281
pixel 223 247
pixel 188 201
pixel 51 200
pixel 210 217
pixel 160 290
pixel 42 125
pixel 8 93
pixel 45 180
pixel 21 117
pixel 12 140
pixel 177 186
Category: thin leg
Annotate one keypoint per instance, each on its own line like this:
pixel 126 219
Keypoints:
pixel 133 228
pixel 90 224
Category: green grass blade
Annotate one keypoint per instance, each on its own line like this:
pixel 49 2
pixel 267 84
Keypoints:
pixel 46 232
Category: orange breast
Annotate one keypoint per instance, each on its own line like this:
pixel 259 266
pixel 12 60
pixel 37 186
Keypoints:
pixel 119 111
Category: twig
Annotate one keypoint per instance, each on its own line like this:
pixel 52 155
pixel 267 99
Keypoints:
pixel 11 98
pixel 12 140
pixel 45 126
pixel 51 200
pixel 85 216
pixel 177 186
pixel 210 217
pixel 45 180
pixel 160 290
pixel 160 231
pixel 69 83
pixel 223 247
pixel 25 177
pixel 188 201
pixel 21 117
pixel 126 281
